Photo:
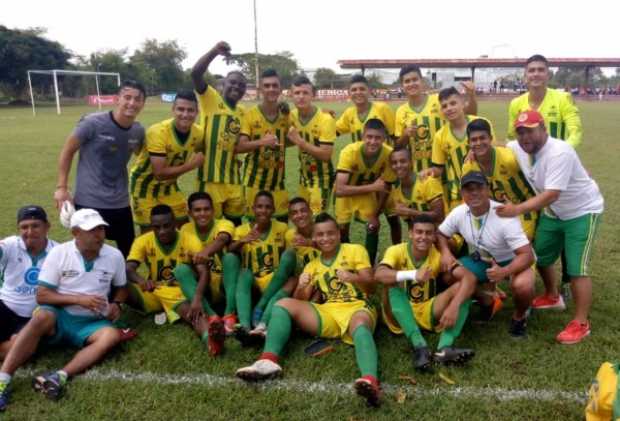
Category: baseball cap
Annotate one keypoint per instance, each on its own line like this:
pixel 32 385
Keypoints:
pixel 529 119
pixel 474 177
pixel 87 219
pixel 31 212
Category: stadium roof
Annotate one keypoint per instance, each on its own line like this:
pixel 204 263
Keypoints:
pixel 475 62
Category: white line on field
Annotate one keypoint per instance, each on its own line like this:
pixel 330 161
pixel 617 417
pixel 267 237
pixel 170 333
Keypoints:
pixel 462 392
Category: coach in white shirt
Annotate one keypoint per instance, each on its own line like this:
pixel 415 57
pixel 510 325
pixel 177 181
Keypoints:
pixel 498 247
pixel 74 283
pixel 571 205
pixel 21 257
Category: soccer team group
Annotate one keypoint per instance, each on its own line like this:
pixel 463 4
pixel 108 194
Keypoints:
pixel 225 260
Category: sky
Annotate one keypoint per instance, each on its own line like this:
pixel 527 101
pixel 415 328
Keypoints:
pixel 321 32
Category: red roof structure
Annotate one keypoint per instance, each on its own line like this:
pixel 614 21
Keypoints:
pixel 474 63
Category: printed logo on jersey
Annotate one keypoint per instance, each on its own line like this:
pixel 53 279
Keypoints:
pixel 31 276
pixel 165 274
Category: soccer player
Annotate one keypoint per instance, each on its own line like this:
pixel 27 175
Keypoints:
pixel 261 244
pixel 343 274
pixel 105 141
pixel 164 158
pixel 409 272
pixel 571 205
pixel 418 119
pixel 263 136
pixel 411 195
pixel 498 248
pixel 74 284
pixel 220 118
pixel 313 132
pixel 168 256
pixel 21 258
pixel 363 174
pixel 499 164
pixel 450 145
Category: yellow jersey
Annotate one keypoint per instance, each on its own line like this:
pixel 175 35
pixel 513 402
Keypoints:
pixel 320 129
pixel 160 259
pixel 561 115
pixel 399 257
pixel 162 139
pixel 350 257
pixel 428 119
pixel 352 122
pixel 304 254
pixel 263 255
pixel 221 125
pixel 362 169
pixel 218 226
pixel 264 167
pixel 420 196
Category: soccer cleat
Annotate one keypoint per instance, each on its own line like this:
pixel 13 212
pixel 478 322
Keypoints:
pixel 548 302
pixel 453 356
pixel 518 328
pixel 48 384
pixel 259 330
pixel 230 320
pixel 217 335
pixel 488 312
pixel 5 395
pixel 422 358
pixel 261 370
pixel 573 333
pixel 368 388
pixel 127 334
pixel 257 315
pixel 242 334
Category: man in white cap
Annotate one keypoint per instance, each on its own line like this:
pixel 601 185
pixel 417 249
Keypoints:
pixel 73 288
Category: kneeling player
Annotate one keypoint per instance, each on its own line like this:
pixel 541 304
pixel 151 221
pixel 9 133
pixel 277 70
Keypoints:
pixel 343 274
pixel 410 271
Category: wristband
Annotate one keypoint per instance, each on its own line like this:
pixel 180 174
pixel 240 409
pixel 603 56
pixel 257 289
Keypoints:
pixel 405 275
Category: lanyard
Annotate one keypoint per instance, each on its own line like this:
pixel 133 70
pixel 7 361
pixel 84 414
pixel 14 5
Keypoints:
pixel 478 239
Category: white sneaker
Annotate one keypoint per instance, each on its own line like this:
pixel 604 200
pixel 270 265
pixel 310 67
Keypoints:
pixel 260 370
pixel 259 330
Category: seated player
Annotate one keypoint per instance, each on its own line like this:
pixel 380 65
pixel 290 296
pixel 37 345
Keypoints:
pixel 498 248
pixel 499 164
pixel 261 244
pixel 411 195
pixel 343 274
pixel 21 258
pixel 74 284
pixel 362 178
pixel 164 250
pixel 166 155
pixel 215 235
pixel 409 272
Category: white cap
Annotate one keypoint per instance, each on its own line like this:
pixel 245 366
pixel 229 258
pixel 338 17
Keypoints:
pixel 87 219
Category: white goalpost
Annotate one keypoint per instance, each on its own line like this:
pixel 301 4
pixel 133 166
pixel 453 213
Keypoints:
pixel 55 72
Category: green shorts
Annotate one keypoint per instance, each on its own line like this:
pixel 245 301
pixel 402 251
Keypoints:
pixel 574 236
pixel 479 267
pixel 71 329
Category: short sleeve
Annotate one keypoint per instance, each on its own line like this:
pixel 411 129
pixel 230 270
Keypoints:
pixel 246 125
pixel 4 251
pixel 432 189
pixel 513 233
pixel 450 225
pixel 137 252
pixel 362 261
pixel 391 258
pixel 342 124
pixel 346 161
pixel 328 130
pixel 558 171
pixel 120 275
pixel 399 124
pixel 51 274
pixel 155 142
pixel 388 119
pixel 240 232
pixel 224 226
pixel 84 130
pixel 439 155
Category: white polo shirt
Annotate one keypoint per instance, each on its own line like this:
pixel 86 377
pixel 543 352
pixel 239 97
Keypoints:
pixel 65 271
pixel 557 167
pixel 20 272
pixel 492 234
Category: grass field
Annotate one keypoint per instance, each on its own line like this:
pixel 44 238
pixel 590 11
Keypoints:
pixel 167 374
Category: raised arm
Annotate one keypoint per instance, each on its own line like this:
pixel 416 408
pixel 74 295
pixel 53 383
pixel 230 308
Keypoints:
pixel 198 71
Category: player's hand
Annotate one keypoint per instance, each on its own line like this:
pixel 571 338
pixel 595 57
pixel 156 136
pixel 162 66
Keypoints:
pixel 410 131
pixel 202 257
pixel 424 174
pixel 114 311
pixel 270 141
pixel 92 302
pixel 293 135
pixel 496 273
pixel 447 261
pixel 403 210
pixel 222 48
pixel 196 161
pixel 301 241
pixel 449 316
pixel 380 185
pixel 195 310
pixel 146 285
pixel 304 279
pixel 374 223
pixel 61 195
pixel 284 108
pixel 253 235
pixel 345 275
pixel 507 210
pixel 330 112
pixel 469 87
pixel 423 275
pixel 470 157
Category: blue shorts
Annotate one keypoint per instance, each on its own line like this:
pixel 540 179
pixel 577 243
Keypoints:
pixel 479 267
pixel 71 329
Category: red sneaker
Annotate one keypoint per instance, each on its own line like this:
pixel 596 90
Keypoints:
pixel 217 334
pixel 127 334
pixel 368 387
pixel 548 302
pixel 230 320
pixel 573 333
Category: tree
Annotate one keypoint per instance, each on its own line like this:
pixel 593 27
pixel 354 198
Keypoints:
pixel 374 81
pixel 282 62
pixel 324 78
pixel 24 49
pixel 158 65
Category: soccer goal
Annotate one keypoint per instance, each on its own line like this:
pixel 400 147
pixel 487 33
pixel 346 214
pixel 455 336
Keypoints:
pixel 57 92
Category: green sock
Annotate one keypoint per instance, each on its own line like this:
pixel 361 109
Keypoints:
pixel 269 309
pixel 62 374
pixel 279 330
pixel 231 266
pixel 372 243
pixel 244 297
pixel 448 336
pixel 365 350
pixel 187 280
pixel 205 336
pixel 401 309
pixel 286 269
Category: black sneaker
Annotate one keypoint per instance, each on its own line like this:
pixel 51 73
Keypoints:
pixel 518 328
pixel 422 359
pixel 49 384
pixel 242 334
pixel 450 355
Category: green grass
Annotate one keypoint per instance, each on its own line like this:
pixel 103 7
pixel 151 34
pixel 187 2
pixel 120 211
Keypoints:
pixel 30 149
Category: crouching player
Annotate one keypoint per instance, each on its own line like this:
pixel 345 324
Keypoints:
pixel 343 275
pixel 410 301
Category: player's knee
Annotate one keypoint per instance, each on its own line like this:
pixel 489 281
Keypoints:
pixel 42 321
pixel 108 337
pixel 287 304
